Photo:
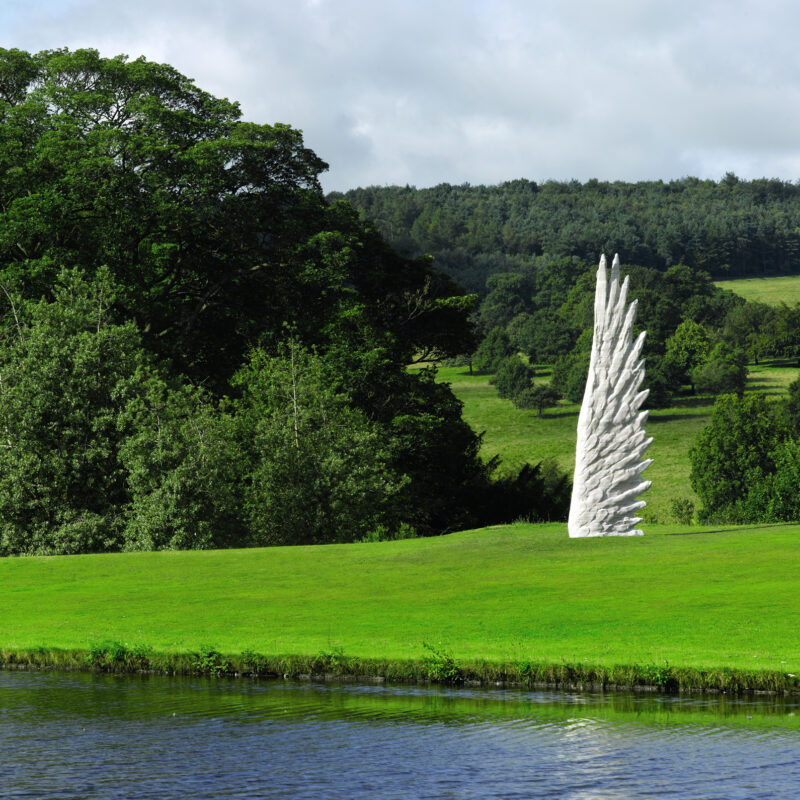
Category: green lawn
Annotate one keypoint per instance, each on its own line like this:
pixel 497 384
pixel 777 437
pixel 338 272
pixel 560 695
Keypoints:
pixel 693 597
pixel 772 291
pixel 518 436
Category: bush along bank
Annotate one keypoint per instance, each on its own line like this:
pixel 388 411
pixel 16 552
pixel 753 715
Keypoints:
pixel 435 666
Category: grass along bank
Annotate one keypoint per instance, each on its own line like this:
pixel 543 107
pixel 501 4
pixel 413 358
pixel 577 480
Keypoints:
pixel 518 436
pixel 691 607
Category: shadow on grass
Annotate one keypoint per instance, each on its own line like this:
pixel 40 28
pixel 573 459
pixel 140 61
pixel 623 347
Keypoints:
pixel 734 529
pixel 559 415
pixel 692 401
pixel 780 362
pixel 762 379
pixel 670 418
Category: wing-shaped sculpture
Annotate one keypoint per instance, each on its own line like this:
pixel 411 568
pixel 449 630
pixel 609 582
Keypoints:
pixel 611 437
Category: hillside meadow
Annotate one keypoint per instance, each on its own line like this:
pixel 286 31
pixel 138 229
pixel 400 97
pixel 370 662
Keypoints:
pixel 772 291
pixel 518 436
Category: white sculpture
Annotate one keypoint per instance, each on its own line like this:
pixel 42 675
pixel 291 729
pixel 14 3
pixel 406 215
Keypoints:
pixel 611 438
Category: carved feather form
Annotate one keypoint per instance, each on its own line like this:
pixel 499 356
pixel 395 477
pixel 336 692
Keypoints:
pixel 611 437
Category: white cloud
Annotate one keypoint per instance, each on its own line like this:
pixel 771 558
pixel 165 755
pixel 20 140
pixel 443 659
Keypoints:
pixel 423 91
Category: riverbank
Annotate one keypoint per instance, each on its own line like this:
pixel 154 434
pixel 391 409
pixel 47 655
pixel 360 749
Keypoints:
pixel 711 608
pixel 437 668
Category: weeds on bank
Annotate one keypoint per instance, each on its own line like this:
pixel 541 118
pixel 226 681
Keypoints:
pixel 209 661
pixel 113 656
pixel 437 665
pixel 441 666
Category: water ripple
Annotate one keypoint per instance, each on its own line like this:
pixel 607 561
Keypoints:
pixel 82 737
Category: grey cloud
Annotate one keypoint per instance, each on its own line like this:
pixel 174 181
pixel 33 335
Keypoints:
pixel 423 91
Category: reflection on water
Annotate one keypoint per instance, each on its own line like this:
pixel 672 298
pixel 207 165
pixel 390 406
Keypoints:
pixel 82 736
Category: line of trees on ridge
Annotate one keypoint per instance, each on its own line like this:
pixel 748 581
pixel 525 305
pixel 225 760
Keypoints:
pixel 727 228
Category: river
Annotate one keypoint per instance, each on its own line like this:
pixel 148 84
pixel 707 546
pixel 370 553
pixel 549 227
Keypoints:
pixel 79 736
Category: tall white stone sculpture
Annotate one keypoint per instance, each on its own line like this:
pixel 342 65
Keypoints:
pixel 611 437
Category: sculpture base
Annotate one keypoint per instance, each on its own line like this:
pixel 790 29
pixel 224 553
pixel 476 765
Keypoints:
pixel 597 534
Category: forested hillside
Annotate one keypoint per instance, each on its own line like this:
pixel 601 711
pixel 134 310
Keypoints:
pixel 727 228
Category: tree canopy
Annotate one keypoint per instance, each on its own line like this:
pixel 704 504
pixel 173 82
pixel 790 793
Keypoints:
pixel 157 255
pixel 727 228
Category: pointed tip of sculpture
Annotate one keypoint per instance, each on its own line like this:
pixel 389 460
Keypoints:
pixel 615 269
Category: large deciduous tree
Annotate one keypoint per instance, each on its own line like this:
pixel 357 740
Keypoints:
pixel 215 229
pixel 218 241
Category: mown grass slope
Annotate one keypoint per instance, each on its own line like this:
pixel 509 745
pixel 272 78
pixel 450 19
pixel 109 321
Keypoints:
pixel 772 291
pixel 688 596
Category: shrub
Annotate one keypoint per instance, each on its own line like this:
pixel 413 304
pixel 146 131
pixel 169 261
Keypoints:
pixel 319 470
pixel 723 372
pixel 539 397
pixel 735 452
pixel 66 373
pixel 209 661
pixel 512 378
pixel 682 510
pixel 492 351
pixel 184 467
pixel 440 666
pixel 570 371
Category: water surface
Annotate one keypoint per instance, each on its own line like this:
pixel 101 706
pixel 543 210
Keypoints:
pixel 84 736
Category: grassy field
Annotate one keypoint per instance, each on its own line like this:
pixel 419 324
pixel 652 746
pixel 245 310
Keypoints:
pixel 688 596
pixel 713 598
pixel 518 436
pixel 772 291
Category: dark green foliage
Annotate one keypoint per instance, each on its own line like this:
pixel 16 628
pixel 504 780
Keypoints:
pixel 792 409
pixel 570 371
pixel 184 468
pixel 66 369
pixel 661 389
pixel 785 339
pixel 734 453
pixel 438 452
pixel 320 469
pixel 492 351
pixel 687 348
pixel 724 228
pixel 207 223
pixel 535 493
pixel 215 241
pixel 512 378
pixel 774 497
pixel 539 397
pixel 723 371
pixel 751 327
pixel 682 510
pixel 509 294
pixel 543 336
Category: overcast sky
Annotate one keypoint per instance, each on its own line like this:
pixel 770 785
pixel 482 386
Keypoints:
pixel 428 91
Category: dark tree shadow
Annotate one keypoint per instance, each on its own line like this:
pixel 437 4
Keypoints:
pixel 737 529
pixel 670 418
